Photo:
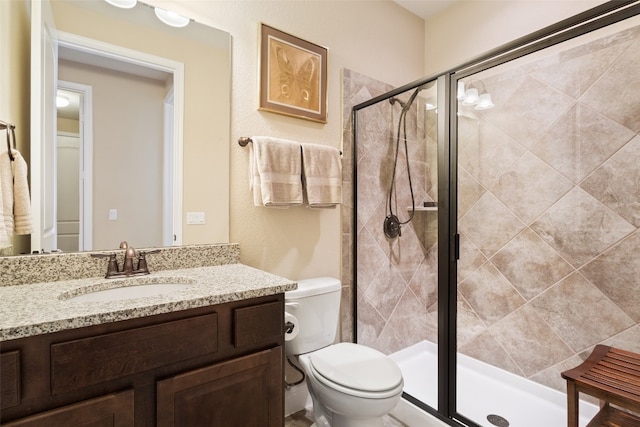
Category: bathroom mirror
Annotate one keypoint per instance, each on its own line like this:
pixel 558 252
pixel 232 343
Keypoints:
pixel 120 166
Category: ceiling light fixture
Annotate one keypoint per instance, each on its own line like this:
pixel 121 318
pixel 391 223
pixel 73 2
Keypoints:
pixel 62 101
pixel 484 102
pixel 171 18
pixel 124 4
pixel 472 96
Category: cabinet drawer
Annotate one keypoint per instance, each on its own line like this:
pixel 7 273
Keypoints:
pixel 89 361
pixel 258 324
pixel 9 379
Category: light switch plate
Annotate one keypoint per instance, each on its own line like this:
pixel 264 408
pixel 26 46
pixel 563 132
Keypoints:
pixel 195 218
pixel 113 214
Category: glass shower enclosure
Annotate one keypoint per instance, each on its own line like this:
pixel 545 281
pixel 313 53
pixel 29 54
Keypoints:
pixel 496 221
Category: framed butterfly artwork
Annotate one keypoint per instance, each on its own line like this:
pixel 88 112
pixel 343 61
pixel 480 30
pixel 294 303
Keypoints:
pixel 293 75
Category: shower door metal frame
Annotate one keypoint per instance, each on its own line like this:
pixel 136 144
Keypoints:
pixel 593 19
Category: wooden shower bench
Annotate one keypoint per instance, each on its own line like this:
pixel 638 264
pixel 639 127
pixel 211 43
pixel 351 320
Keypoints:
pixel 611 375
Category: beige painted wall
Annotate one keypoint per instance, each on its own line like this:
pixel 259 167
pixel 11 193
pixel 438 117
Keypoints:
pixel 470 28
pixel 374 37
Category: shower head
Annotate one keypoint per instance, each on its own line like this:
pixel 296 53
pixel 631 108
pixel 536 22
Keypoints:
pixel 406 105
pixel 393 100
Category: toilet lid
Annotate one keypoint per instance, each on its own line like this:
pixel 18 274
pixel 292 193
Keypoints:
pixel 356 367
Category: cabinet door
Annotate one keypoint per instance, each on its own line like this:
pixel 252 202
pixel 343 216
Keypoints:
pixel 114 410
pixel 243 392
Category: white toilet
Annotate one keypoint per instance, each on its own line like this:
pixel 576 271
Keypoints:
pixel 351 385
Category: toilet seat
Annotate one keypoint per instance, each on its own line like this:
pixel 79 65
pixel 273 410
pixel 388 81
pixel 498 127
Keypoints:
pixel 356 370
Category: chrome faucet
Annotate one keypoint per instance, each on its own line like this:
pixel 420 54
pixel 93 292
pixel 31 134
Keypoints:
pixel 113 271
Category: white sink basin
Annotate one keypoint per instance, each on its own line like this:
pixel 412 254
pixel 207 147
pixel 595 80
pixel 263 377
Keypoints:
pixel 123 290
pixel 129 292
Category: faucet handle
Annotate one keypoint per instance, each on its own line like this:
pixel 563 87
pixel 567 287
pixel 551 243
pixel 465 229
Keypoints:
pixel 142 261
pixel 112 267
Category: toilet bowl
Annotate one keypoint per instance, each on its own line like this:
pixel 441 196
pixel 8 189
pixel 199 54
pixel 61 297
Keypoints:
pixel 351 385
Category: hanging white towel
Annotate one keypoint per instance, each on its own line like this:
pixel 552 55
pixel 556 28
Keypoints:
pixel 4 236
pixel 14 185
pixel 322 175
pixel 275 172
pixel 6 188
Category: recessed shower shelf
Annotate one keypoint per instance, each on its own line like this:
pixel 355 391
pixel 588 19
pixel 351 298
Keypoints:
pixel 426 207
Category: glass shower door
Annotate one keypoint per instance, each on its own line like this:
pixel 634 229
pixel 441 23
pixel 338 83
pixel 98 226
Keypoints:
pixel 397 234
pixel 548 216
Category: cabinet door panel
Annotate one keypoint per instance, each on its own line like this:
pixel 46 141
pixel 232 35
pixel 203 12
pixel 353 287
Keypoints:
pixel 9 379
pixel 244 392
pixel 114 410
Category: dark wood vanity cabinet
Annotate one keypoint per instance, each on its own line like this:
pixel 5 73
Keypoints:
pixel 212 366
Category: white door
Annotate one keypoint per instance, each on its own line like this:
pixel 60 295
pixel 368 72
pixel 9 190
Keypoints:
pixel 44 62
pixel 68 192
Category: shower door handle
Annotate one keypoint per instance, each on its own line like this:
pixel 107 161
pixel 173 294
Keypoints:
pixel 456 247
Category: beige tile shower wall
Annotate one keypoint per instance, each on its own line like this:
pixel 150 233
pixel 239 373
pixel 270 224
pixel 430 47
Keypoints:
pixel 396 278
pixel 549 211
pixel 548 215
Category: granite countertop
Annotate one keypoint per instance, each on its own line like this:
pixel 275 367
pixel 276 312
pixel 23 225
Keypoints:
pixel 40 308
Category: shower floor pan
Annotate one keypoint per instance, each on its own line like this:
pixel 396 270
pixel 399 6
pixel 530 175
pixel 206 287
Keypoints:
pixel 487 395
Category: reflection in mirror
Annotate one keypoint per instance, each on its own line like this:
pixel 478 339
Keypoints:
pixel 127 124
pixel 125 149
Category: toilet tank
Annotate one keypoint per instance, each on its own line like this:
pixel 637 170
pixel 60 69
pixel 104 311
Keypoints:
pixel 315 307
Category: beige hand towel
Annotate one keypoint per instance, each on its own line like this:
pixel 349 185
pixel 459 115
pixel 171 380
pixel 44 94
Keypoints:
pixel 276 168
pixel 322 175
pixel 21 198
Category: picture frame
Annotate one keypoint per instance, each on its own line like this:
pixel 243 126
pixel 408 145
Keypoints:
pixel 293 75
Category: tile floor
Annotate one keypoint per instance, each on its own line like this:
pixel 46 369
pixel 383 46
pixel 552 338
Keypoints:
pixel 304 418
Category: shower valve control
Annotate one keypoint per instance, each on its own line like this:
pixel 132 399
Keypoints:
pixel 392 227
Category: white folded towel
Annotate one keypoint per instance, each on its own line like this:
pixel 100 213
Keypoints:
pixel 322 175
pixel 275 172
pixel 14 185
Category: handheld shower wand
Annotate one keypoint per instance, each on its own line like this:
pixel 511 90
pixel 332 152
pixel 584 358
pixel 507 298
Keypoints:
pixel 392 224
